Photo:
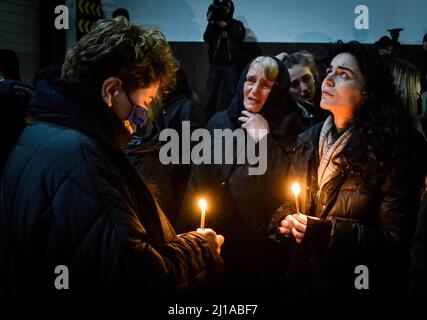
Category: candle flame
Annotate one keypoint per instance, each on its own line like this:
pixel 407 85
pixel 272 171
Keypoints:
pixel 296 189
pixel 202 204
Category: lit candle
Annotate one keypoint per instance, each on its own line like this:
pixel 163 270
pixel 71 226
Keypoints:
pixel 296 190
pixel 203 205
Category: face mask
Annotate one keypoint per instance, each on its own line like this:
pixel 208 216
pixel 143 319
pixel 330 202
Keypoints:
pixel 137 116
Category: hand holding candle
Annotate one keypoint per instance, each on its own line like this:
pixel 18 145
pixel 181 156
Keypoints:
pixel 296 189
pixel 203 206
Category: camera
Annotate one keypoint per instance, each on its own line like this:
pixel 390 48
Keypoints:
pixel 395 33
pixel 217 11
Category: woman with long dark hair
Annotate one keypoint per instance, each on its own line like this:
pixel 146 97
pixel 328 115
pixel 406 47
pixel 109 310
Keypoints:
pixel 361 176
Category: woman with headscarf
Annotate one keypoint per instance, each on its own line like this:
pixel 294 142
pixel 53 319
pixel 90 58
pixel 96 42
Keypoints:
pixel 241 204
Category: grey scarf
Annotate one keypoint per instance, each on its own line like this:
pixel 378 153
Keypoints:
pixel 329 149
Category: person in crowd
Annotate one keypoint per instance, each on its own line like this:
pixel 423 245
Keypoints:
pixel 120 12
pixel 385 47
pixel 72 203
pixel 423 64
pixel 406 79
pixel 167 182
pixel 418 57
pixel 240 205
pixel 360 175
pixel 305 86
pixel 9 65
pixel 14 97
pixel 224 35
pixel 49 74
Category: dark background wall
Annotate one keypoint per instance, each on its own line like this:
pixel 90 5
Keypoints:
pixel 52 41
pixel 308 21
pixel 20 31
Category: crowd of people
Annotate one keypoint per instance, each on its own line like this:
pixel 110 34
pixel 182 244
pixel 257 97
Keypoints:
pixel 82 185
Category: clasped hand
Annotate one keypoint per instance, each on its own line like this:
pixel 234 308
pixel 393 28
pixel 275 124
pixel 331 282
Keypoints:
pixel 294 224
pixel 255 124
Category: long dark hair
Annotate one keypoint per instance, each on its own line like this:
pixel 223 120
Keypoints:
pixel 383 129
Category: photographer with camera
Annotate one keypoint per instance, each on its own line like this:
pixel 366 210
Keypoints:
pixel 224 36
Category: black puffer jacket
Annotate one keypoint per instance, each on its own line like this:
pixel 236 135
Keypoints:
pixel 241 205
pixel 69 196
pixel 358 227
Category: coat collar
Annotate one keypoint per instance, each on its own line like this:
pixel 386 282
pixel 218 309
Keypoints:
pixel 69 104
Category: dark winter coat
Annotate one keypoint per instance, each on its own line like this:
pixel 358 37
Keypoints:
pixel 358 227
pixel 240 206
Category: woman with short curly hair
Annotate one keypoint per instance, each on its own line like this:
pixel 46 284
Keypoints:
pixel 69 195
pixel 138 56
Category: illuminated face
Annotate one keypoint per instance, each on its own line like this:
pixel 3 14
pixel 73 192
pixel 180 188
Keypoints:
pixel 122 106
pixel 342 89
pixel 302 83
pixel 256 88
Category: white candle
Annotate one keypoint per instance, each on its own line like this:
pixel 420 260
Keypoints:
pixel 203 206
pixel 296 189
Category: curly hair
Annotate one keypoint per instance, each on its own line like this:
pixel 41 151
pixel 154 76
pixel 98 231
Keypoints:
pixel 139 56
pixel 382 125
pixel 304 58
